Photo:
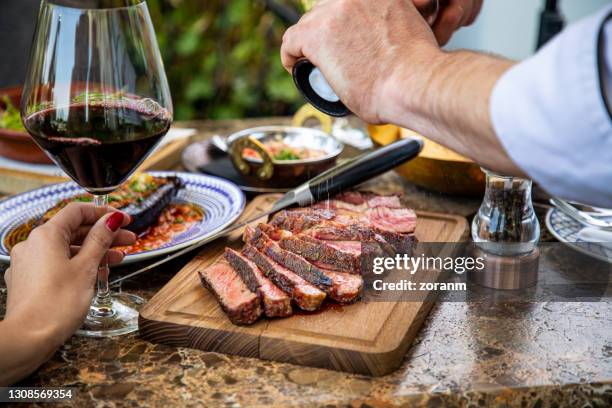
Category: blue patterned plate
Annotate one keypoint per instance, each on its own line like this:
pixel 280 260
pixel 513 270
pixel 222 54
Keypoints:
pixel 221 200
pixel 566 230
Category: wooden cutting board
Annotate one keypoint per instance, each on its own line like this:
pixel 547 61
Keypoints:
pixel 367 338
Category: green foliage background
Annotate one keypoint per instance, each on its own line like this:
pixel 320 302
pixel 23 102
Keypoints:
pixel 222 58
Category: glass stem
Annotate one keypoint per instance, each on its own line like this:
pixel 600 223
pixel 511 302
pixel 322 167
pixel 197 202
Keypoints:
pixel 101 305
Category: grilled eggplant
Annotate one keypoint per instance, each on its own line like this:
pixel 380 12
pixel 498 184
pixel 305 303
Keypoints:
pixel 146 211
pixel 143 196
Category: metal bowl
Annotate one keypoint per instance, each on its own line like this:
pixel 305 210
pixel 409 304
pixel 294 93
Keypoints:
pixel 437 168
pixel 268 168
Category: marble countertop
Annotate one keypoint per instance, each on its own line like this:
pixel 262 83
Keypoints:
pixel 466 354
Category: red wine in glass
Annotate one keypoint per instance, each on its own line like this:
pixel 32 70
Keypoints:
pixel 97 145
pixel 96 100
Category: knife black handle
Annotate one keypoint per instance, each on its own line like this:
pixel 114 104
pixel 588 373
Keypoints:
pixel 363 168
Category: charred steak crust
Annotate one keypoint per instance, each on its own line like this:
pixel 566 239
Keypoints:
pixel 243 268
pixel 289 260
pixel 241 306
pixel 276 303
pixel 306 296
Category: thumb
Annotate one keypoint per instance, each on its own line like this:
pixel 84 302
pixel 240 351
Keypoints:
pixel 101 237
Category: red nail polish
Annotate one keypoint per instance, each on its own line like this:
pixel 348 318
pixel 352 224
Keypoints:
pixel 114 221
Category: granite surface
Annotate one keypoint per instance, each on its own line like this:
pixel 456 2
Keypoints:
pixel 467 354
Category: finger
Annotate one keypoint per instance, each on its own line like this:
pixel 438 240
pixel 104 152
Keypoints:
pixel 100 238
pixel 113 256
pixel 447 23
pixel 76 214
pixel 7 278
pixel 291 49
pixel 476 8
pixel 124 237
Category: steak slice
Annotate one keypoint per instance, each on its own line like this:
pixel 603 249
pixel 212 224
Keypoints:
pixel 371 200
pixel 289 260
pixel 320 253
pixel 399 220
pixel 276 303
pixel 300 219
pixel 306 296
pixel 346 287
pixel 240 304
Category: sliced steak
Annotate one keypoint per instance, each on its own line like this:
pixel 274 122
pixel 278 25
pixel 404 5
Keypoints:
pixel 240 304
pixel 344 287
pixel 306 296
pixel 289 260
pixel 388 227
pixel 276 303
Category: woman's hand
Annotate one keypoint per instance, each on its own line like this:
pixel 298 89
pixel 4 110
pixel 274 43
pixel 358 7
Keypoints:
pixel 51 280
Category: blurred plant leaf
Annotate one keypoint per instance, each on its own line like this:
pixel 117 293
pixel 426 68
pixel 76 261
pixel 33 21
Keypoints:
pixel 222 58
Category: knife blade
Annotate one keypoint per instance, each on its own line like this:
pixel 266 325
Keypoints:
pixel 335 180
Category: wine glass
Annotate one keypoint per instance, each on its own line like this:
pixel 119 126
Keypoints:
pixel 96 100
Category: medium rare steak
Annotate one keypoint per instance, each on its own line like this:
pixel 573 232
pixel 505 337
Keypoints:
pixel 289 260
pixel 305 255
pixel 306 296
pixel 240 304
pixel 276 303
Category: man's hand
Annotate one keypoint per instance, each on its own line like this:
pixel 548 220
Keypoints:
pixel 384 62
pixel 360 45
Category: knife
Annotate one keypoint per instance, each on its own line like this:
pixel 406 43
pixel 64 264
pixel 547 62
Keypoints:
pixel 335 180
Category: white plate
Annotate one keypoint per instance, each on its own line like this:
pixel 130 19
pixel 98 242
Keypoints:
pixel 221 200
pixel 566 230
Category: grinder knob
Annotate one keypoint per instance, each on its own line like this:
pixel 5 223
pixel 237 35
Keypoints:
pixel 313 86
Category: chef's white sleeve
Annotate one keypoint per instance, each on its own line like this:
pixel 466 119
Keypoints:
pixel 552 114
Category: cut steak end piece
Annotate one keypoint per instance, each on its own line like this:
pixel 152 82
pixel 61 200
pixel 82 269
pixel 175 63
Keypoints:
pixel 240 304
pixel 276 303
pixel 306 296
pixel 346 287
pixel 289 260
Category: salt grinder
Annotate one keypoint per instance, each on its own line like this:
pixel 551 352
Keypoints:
pixel 316 90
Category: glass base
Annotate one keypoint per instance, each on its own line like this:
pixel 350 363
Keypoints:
pixel 120 318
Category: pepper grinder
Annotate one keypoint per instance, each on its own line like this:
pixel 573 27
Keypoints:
pixel 311 83
pixel 506 232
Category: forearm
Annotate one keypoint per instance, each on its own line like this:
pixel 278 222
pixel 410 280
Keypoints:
pixel 22 350
pixel 448 101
